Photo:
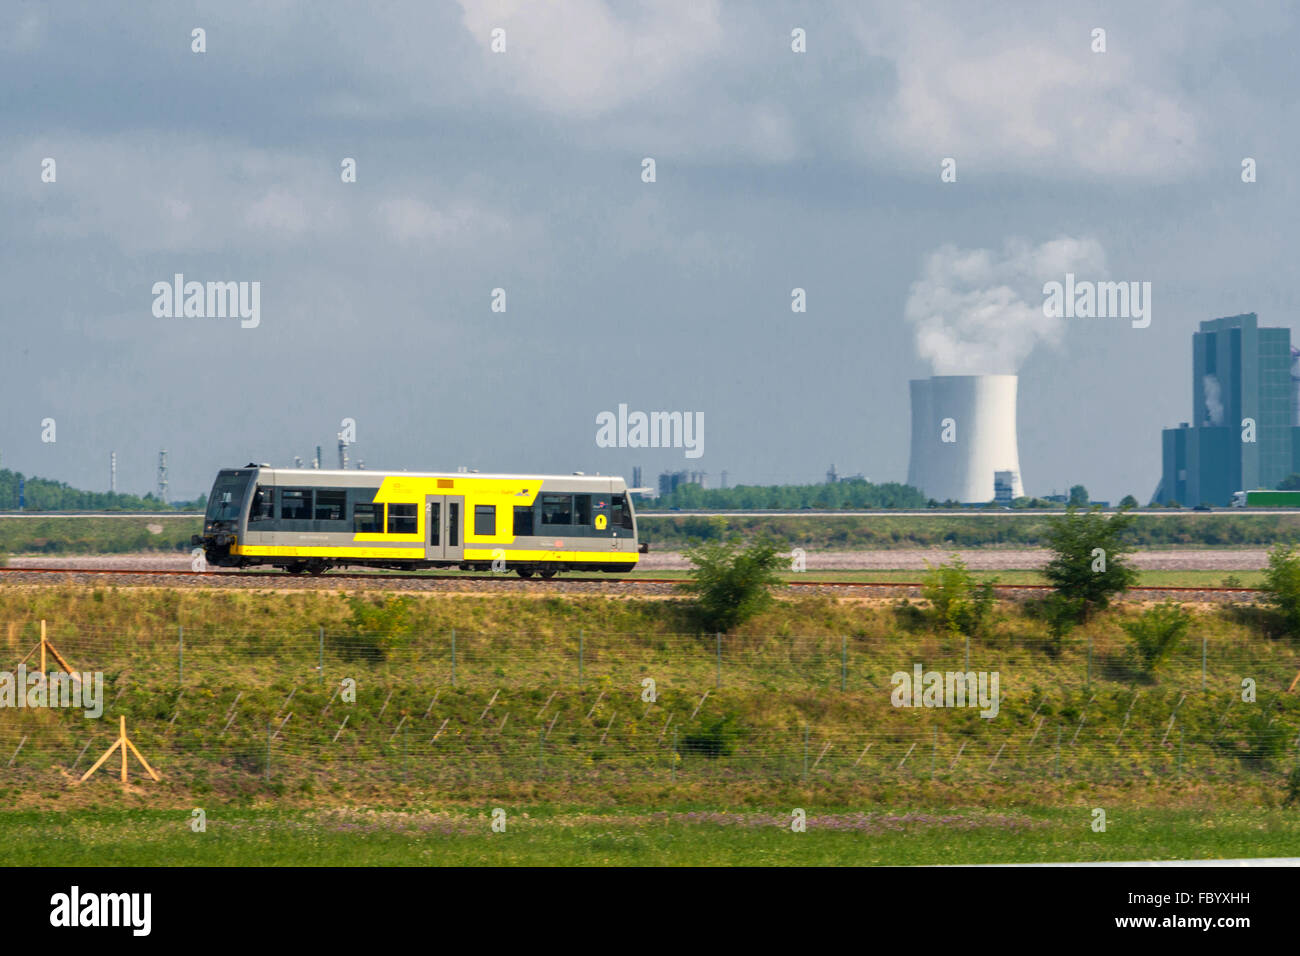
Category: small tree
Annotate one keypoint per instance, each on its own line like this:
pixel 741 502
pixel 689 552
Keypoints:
pixel 1079 496
pixel 956 602
pixel 732 584
pixel 1087 567
pixel 1290 483
pixel 1282 585
pixel 1156 634
pixel 1128 501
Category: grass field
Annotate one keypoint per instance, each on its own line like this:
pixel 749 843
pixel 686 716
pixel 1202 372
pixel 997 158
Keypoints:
pixel 550 835
pixel 539 706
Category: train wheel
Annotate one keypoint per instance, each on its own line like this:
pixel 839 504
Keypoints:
pixel 297 567
pixel 523 572
pixel 317 568
pixel 547 575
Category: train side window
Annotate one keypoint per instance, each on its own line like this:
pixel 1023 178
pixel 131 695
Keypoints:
pixel 435 523
pixel 485 520
pixel 557 509
pixel 331 504
pixel 402 519
pixel 368 518
pixel 295 504
pixel 523 520
pixel 622 517
pixel 453 524
pixel 263 505
pixel 582 510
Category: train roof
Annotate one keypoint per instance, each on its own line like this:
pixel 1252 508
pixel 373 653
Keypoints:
pixel 359 472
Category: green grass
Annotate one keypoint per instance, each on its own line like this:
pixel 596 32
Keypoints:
pixel 549 835
pixel 87 535
pixel 546 717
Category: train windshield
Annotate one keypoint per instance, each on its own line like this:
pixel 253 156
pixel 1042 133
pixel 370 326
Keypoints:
pixel 227 499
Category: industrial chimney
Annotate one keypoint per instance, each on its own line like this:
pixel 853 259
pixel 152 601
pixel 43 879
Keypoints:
pixel 963 431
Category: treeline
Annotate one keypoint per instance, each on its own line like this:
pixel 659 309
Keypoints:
pixel 840 495
pixel 41 494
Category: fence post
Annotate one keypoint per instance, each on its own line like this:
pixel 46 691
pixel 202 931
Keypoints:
pixel 718 635
pixel 453 657
pixel 844 663
pixel 180 657
pixel 321 648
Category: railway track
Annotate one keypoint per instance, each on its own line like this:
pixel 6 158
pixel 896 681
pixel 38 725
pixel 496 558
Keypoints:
pixel 606 579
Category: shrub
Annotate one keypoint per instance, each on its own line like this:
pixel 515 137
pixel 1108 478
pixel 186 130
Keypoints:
pixel 1282 585
pixel 716 738
pixel 1156 634
pixel 1087 568
pixel 731 584
pixel 375 627
pixel 1062 614
pixel 956 602
pixel 1265 741
pixel 1292 787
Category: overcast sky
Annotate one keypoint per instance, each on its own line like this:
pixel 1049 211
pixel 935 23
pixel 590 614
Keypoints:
pixel 522 171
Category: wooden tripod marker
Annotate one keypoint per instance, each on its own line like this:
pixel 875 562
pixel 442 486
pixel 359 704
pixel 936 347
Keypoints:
pixel 45 646
pixel 123 742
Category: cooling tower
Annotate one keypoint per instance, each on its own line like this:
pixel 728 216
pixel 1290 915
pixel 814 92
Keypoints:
pixel 963 430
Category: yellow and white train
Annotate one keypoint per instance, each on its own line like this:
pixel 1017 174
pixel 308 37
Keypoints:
pixel 311 520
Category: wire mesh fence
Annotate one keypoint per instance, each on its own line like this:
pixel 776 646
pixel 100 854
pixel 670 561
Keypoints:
pixel 193 655
pixel 463 706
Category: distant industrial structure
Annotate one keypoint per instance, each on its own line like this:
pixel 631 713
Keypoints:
pixel 162 476
pixel 670 481
pixel 834 477
pixel 964 446
pixel 1245 427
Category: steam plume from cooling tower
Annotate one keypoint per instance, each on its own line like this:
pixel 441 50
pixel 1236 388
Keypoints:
pixel 978 311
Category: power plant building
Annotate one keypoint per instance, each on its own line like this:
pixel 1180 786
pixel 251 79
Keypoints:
pixel 1243 434
pixel 964 445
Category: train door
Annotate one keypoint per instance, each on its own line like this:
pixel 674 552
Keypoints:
pixel 444 527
